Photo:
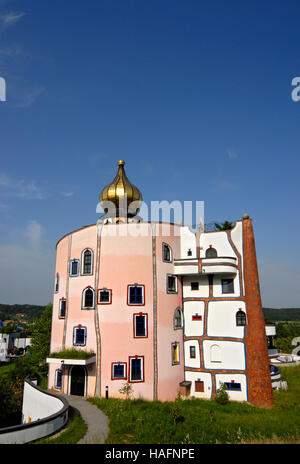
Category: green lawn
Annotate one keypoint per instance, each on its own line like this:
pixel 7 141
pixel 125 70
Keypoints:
pixel 199 421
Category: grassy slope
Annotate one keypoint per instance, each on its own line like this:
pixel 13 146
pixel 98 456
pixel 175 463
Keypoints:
pixel 200 421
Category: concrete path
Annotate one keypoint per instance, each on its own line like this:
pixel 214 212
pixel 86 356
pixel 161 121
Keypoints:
pixel 95 419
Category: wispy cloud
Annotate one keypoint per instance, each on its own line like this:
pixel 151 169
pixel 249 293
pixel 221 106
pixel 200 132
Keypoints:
pixel 10 51
pixel 27 190
pixel 227 186
pixel 67 194
pixel 29 98
pixel 33 233
pixel 11 18
pixel 231 154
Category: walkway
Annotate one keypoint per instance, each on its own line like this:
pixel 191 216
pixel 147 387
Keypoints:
pixel 95 419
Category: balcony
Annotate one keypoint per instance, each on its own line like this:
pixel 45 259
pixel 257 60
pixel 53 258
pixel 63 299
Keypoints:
pixel 220 265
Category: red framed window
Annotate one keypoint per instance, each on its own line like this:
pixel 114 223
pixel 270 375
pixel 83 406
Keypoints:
pixel 136 369
pixel 199 386
pixel 196 317
pixel 119 370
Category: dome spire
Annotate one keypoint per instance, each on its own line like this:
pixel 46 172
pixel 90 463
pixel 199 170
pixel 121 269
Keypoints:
pixel 121 193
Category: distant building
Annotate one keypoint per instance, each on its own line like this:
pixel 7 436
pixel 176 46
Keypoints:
pixel 12 343
pixel 168 312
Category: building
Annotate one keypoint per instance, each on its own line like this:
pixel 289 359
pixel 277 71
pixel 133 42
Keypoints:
pixel 166 309
pixel 12 345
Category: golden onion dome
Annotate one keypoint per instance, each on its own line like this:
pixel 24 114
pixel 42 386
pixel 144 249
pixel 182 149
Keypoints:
pixel 121 192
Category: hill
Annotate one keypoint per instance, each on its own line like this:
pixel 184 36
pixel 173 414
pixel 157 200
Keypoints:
pixel 283 314
pixel 31 312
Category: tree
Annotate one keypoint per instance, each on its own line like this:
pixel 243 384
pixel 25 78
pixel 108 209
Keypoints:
pixel 40 339
pixel 224 225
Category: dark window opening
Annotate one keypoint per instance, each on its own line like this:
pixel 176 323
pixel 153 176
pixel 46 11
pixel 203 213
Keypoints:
pixel 89 298
pixel 104 296
pixel 192 352
pixel 136 369
pixel 166 253
pixel 233 386
pixel 136 295
pixel 241 319
pixel 172 284
pixel 194 285
pixel 211 253
pixel 119 371
pixel 227 286
pixel 87 262
pixel 140 326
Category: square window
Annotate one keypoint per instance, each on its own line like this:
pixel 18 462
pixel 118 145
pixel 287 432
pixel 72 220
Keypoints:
pixel 136 295
pixel 136 369
pixel 140 325
pixel 199 386
pixel 194 285
pixel 119 371
pixel 171 284
pixel 227 286
pixel 104 296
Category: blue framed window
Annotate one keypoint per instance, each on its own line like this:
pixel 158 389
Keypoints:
pixel 74 267
pixel 227 286
pixel 233 386
pixel 136 295
pixel 58 378
pixel 119 370
pixel 79 336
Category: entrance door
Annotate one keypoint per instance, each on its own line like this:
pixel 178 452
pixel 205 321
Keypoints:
pixel 77 380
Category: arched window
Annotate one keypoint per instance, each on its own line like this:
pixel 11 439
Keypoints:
pixel 211 253
pixel 241 319
pixel 88 298
pixel 166 253
pixel 177 318
pixel 87 262
pixel 215 353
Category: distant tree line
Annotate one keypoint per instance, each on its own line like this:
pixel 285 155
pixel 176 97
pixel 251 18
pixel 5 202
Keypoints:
pixel 31 312
pixel 284 314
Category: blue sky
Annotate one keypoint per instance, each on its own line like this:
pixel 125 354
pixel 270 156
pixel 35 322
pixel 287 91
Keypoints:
pixel 194 95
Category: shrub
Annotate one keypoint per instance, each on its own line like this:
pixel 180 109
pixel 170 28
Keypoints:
pixel 222 395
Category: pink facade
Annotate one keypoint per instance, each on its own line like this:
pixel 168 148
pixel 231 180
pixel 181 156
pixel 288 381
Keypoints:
pixel 119 259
